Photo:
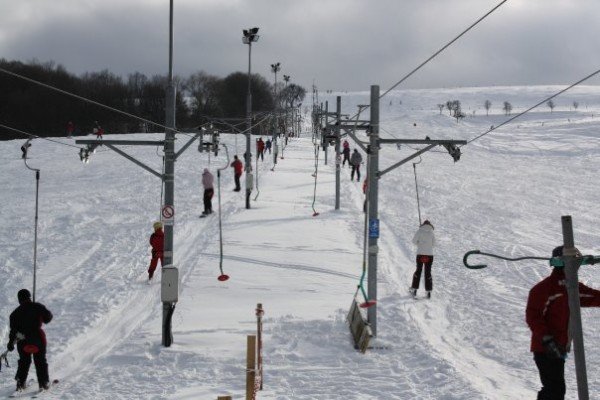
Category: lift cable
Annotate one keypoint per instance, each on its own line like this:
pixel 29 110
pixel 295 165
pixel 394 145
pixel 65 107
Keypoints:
pixel 493 128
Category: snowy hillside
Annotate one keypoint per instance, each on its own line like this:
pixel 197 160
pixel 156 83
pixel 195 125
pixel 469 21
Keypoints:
pixel 470 341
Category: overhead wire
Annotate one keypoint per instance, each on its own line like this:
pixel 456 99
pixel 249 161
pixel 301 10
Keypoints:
pixel 116 110
pixel 439 51
pixel 493 128
pixel 38 137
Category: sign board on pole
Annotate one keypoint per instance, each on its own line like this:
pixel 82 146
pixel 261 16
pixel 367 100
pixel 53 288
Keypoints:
pixel 373 228
pixel 167 213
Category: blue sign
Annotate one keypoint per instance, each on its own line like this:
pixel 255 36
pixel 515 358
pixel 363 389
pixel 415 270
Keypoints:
pixel 373 228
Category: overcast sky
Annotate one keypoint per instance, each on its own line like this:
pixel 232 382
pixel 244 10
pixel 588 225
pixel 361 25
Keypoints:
pixel 340 44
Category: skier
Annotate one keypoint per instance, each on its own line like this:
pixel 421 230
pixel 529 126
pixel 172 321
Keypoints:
pixel 355 162
pixel 268 145
pixel 98 130
pixel 346 153
pixel 25 148
pixel 547 315
pixel 425 241
pixel 238 167
pixel 207 182
pixel 260 148
pixel 26 330
pixel 157 242
pixel 70 128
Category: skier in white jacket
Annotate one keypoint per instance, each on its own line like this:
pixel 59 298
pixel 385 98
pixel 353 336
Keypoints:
pixel 425 241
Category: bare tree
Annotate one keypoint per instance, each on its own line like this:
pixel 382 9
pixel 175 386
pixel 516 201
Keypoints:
pixel 575 104
pixel 441 107
pixel 550 105
pixel 449 106
pixel 507 108
pixel 487 105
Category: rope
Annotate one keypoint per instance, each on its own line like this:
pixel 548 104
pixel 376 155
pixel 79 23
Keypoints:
pixel 417 188
pixel 315 213
pixel 220 222
pixel 257 189
pixel 365 241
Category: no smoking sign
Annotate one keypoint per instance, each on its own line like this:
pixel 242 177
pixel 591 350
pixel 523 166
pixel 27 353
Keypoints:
pixel 168 214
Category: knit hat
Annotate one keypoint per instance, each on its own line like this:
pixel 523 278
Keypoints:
pixel 558 251
pixel 157 225
pixel 23 295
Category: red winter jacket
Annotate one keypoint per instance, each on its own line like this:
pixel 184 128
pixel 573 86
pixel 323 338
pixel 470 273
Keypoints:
pixel 238 167
pixel 157 240
pixel 260 146
pixel 548 310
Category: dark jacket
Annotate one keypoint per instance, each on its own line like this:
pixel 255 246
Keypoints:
pixel 547 311
pixel 27 319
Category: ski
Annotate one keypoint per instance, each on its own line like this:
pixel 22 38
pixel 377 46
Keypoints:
pixel 41 392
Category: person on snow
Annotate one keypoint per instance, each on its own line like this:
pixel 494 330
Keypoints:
pixel 157 240
pixel 346 153
pixel 425 241
pixel 26 331
pixel 547 315
pixel 260 148
pixel 70 128
pixel 268 145
pixel 208 184
pixel 98 130
pixel 355 162
pixel 238 168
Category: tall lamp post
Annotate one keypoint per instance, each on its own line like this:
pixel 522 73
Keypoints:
pixel 286 78
pixel 250 35
pixel 275 68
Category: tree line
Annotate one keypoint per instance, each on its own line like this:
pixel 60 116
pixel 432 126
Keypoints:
pixel 200 97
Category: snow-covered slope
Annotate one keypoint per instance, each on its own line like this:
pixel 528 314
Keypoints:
pixel 506 195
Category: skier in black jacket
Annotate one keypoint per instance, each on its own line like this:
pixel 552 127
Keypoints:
pixel 26 330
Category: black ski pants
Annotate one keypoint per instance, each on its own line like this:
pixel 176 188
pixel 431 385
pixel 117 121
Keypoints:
pixel 423 261
pixel 208 195
pixel 236 178
pixel 355 168
pixel 552 375
pixel 41 365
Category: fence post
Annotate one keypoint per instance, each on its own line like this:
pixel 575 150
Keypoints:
pixel 259 313
pixel 250 366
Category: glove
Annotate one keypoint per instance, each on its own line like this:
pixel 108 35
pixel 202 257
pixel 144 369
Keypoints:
pixel 551 347
pixel 10 346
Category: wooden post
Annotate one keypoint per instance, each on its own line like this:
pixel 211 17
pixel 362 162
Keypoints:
pixel 259 314
pixel 250 366
pixel 224 398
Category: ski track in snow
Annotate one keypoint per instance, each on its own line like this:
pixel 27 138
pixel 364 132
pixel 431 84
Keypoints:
pixel 469 341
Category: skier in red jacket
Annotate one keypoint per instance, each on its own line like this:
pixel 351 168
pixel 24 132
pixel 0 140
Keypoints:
pixel 157 242
pixel 547 315
pixel 238 168
pixel 260 149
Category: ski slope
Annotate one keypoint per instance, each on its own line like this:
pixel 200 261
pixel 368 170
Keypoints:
pixel 470 341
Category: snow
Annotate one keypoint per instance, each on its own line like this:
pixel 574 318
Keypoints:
pixel 470 341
